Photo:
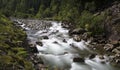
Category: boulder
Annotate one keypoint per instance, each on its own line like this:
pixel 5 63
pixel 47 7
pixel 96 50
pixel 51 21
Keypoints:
pixel 33 48
pixel 45 37
pixel 55 42
pixel 78 59
pixel 64 41
pixel 77 38
pixel 39 43
pixel 32 45
pixel 108 47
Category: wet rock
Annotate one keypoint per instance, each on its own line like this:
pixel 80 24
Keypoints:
pixel 109 47
pixel 37 61
pixel 65 52
pixel 45 37
pixel 33 48
pixel 55 42
pixel 17 22
pixel 32 45
pixel 77 38
pixel 39 43
pixel 92 56
pixel 64 41
pixel 77 31
pixel 118 61
pixel 78 59
pixel 85 36
pixel 101 57
pixel 103 62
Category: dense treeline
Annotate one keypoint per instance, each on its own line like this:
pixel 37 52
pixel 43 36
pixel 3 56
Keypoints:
pixel 50 8
pixel 80 12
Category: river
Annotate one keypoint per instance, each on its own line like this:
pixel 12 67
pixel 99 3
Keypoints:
pixel 59 49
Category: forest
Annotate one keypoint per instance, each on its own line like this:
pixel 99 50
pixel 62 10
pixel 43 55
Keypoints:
pixel 63 10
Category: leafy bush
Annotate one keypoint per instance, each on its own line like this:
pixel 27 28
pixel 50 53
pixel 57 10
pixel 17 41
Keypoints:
pixel 91 22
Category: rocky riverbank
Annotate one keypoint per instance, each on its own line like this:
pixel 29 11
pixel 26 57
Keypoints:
pixel 107 43
pixel 98 43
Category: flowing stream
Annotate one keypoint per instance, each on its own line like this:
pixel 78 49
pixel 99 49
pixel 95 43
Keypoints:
pixel 59 49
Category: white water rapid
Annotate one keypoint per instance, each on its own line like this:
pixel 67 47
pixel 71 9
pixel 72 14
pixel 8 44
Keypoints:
pixel 59 50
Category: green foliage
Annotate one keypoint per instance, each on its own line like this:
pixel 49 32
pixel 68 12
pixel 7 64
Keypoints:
pixel 91 22
pixel 85 19
pixel 97 24
pixel 90 6
pixel 12 52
